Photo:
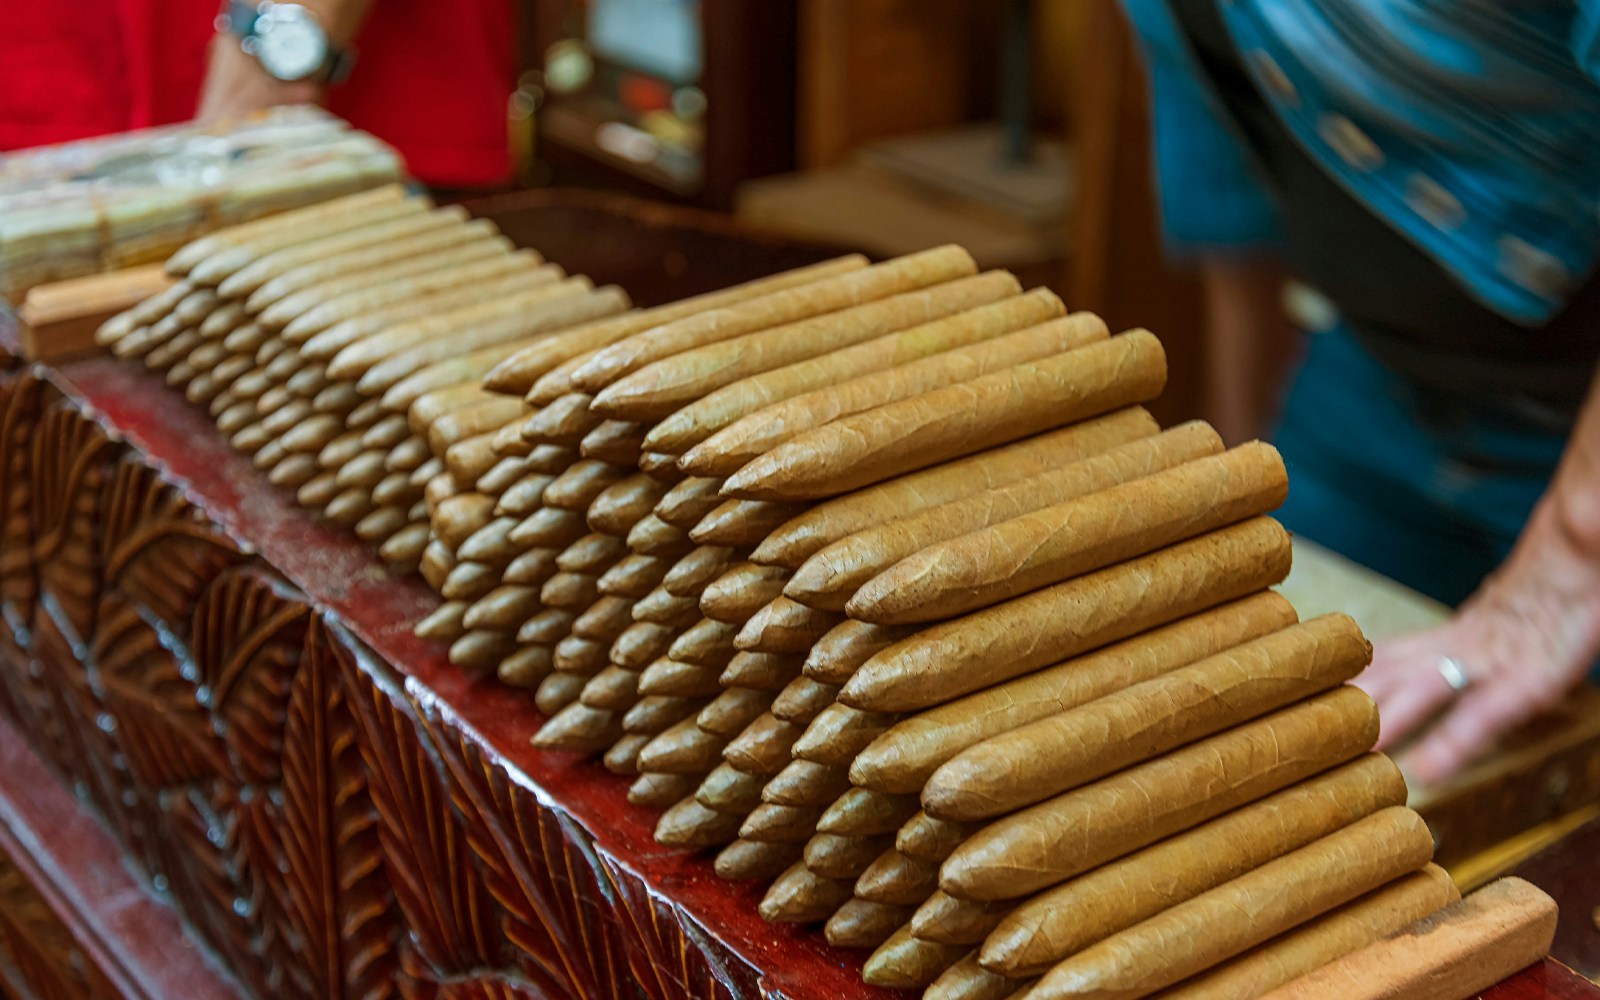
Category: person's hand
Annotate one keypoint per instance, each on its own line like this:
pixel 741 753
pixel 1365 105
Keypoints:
pixel 236 85
pixel 1524 640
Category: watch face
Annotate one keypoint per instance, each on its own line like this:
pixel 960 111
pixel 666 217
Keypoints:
pixel 289 44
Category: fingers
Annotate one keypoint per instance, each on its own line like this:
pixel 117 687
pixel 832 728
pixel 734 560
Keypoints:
pixel 1407 686
pixel 1482 717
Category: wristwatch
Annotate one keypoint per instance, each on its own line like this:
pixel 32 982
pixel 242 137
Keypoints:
pixel 287 40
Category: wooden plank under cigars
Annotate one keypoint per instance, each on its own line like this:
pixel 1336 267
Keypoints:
pixel 58 320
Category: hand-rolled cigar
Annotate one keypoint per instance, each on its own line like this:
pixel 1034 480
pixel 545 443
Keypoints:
pixel 571 591
pixel 1072 916
pixel 489 543
pixel 386 433
pixel 906 756
pixel 830 577
pixel 563 422
pixel 641 644
pixel 742 523
pixel 1078 536
pixel 1219 924
pixel 834 856
pixel 457 517
pixel 425 473
pixel 551 460
pixel 577 655
pixel 654 713
pixel 505 473
pixel 654 391
pixel 404 547
pixel 958 657
pixel 560 304
pixel 547 628
pixel 508 442
pixel 967 980
pixel 470 459
pixel 557 691
pixel 519 374
pixel 802 783
pixel 839 733
pixel 800 896
pixel 909 962
pixel 614 441
pixel 607 618
pixel 547 528
pixel 1060 752
pixel 532 568
pixel 948 920
pixel 318 490
pixel 835 657
pixel 898 880
pixel 686 503
pixel 438 560
pixel 770 821
pixel 762 671
pixel 763 747
pixel 707 643
pixel 525 495
pixel 960 419
pixel 430 406
pixel 803 700
pixel 623 756
pixel 661 608
pixel 444 623
pixel 526 667
pixel 578 487
pixel 732 710
pixel 858 923
pixel 297 470
pixel 682 748
pixel 481 650
pixel 827 295
pixel 728 789
pixel 503 608
pixel 620 506
pixel 695 571
pixel 784 626
pixel 592 554
pixel 348 507
pixel 396 490
pixel 1315 943
pixel 676 678
pixel 659 791
pixel 613 687
pixel 578 728
pixel 634 576
pixel 655 537
pixel 661 466
pixel 928 838
pixel 316 431
pixel 690 824
pixel 751 860
pixel 741 591
pixel 716 410
pixel 861 812
pixel 1158 798
pixel 828 522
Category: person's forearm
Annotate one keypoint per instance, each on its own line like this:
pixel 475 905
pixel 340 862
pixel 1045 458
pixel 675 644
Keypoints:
pixel 236 84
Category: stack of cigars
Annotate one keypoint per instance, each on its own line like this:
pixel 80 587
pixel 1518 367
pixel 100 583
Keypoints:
pixel 875 578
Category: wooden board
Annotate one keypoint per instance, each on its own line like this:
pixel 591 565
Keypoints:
pixel 57 321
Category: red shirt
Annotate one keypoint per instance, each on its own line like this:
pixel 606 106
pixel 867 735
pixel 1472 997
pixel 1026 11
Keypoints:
pixel 431 78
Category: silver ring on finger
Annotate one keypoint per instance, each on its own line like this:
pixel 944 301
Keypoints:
pixel 1454 673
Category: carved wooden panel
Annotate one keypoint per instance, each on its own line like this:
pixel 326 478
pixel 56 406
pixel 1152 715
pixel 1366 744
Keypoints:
pixel 38 954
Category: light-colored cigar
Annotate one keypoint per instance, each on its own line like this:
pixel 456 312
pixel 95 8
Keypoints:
pixel 546 628
pixel 835 657
pixel 803 700
pixel 775 822
pixel 761 671
pixel 297 470
pixel 967 980
pixel 801 897
pixel 481 650
pixel 634 576
pixel 656 713
pixel 577 655
pixel 437 562
pixel 563 422
pixel 948 920
pixel 785 626
pixel 833 856
pixel 640 645
pixel 839 733
pixel 861 812
pixel 557 691
pixel 706 643
pixel 577 488
pixel 683 748
pixel 909 962
pixel 751 860
pixel 547 528
pixel 577 728
pixel 526 667
pixel 655 537
pixel 469 581
pixel 692 573
pixel 1161 797
pixel 505 608
pixel 572 591
pixel 348 507
pixel 551 459
pixel 615 441
pixel 405 547
pixel 620 506
pixel 905 757
pixel 623 756
pixel 607 618
pixel 731 711
pixel 927 838
pixel 468 460
pixel 614 688
pixel 501 477
pixel 457 517
pixel 525 495
pixel 1064 920
pixel 667 676
pixel 592 554
pixel 376 526
pixel 532 568
pixel 744 589
pixel 661 608
pixel 728 789
pixel 802 783
pixel 858 923
pixel 317 491
pixel 690 824
pixel 743 523
pixel 898 880
pixel 658 791
pixel 443 623
pixel 763 747
pixel 687 502
pixel 395 490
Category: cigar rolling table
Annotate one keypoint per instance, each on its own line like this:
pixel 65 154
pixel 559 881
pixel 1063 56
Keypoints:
pixel 227 768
